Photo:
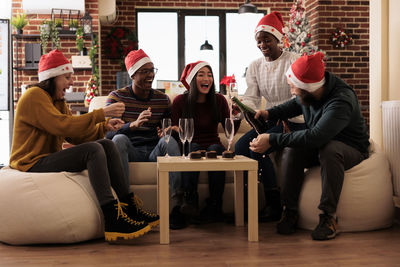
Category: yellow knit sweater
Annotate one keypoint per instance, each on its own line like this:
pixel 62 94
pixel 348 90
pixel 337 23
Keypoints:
pixel 41 125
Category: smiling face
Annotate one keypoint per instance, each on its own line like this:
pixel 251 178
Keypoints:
pixel 143 79
pixel 204 80
pixel 62 82
pixel 268 45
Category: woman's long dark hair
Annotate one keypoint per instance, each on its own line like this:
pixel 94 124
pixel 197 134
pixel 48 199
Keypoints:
pixel 48 85
pixel 191 96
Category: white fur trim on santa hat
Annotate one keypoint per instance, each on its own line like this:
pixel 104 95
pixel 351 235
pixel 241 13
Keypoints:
pixel 50 73
pixel 195 70
pixel 269 29
pixel 137 65
pixel 310 87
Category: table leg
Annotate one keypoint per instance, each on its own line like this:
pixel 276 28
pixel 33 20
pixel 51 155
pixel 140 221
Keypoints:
pixel 163 198
pixel 252 206
pixel 238 187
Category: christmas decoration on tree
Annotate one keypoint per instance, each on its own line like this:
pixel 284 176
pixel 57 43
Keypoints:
pixel 297 32
pixel 91 90
pixel 340 38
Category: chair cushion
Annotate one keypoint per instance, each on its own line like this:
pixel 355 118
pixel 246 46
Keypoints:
pixel 366 201
pixel 41 208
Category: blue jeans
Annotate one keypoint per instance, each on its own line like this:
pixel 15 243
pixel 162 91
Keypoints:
pixel 266 171
pixel 147 153
pixel 216 179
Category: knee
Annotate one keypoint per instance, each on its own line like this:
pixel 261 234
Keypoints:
pixel 330 153
pixel 121 141
pixel 94 149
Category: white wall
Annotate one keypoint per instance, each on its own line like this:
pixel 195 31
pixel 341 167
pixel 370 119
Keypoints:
pixel 394 51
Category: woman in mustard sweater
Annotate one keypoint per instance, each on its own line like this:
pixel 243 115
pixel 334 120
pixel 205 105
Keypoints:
pixel 43 122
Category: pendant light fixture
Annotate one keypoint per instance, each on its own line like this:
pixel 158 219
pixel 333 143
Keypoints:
pixel 206 45
pixel 247 8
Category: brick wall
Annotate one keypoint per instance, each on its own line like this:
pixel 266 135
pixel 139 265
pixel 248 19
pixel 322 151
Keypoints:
pixel 68 47
pixel 352 62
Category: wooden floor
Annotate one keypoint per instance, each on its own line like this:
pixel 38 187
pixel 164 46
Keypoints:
pixel 218 245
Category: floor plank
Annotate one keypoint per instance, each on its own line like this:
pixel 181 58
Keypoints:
pixel 218 245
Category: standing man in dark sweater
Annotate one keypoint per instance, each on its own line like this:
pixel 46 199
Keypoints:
pixel 141 138
pixel 336 138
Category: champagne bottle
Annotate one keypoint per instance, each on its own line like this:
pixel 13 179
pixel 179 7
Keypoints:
pixel 258 124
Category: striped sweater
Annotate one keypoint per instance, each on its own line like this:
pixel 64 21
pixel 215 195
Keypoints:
pixel 160 107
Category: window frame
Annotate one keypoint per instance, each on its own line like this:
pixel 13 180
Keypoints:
pixel 181 14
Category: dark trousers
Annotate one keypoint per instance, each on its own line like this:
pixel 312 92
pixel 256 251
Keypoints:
pixel 100 158
pixel 216 180
pixel 335 157
pixel 266 171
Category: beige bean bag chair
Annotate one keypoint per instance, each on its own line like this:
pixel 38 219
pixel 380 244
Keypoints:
pixel 366 201
pixel 40 208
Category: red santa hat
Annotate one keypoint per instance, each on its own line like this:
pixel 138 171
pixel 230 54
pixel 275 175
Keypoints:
pixel 272 23
pixel 53 64
pixel 308 72
pixel 190 71
pixel 135 59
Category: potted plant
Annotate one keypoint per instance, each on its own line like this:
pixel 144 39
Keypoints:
pixel 45 34
pixel 80 40
pixel 19 22
pixel 59 24
pixel 73 24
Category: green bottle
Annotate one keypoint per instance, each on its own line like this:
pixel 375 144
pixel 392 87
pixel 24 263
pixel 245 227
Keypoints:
pixel 258 124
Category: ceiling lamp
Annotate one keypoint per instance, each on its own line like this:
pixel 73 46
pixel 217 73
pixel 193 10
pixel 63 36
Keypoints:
pixel 206 45
pixel 247 8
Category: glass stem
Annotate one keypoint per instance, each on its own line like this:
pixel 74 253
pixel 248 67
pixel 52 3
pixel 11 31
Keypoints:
pixel 183 149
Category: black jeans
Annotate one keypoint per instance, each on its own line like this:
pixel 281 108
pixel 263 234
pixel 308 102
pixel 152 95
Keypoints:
pixel 101 159
pixel 216 179
pixel 335 157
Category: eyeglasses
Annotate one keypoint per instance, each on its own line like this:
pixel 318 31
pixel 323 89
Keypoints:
pixel 148 71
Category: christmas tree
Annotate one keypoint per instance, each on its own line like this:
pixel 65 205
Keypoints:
pixel 297 31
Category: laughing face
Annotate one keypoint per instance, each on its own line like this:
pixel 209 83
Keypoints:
pixel 62 82
pixel 268 45
pixel 204 80
pixel 143 79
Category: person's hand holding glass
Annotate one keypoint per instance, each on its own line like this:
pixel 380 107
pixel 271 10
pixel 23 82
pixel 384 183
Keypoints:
pixel 166 128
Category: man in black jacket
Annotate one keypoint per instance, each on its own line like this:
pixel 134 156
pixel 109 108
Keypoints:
pixel 336 138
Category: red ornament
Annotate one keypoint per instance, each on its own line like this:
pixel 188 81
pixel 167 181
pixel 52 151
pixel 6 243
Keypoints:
pixel 297 22
pixel 291 30
pixel 303 44
pixel 309 35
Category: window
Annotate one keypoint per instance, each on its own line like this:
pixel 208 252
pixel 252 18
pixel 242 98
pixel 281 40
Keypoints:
pixel 172 39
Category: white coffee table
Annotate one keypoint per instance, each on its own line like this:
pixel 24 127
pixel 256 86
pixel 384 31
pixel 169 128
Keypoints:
pixel 238 165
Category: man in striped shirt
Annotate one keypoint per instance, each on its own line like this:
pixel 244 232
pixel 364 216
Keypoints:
pixel 141 138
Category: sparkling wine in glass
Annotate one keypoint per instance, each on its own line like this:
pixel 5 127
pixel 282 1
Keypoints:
pixel 182 134
pixel 229 131
pixel 189 131
pixel 166 127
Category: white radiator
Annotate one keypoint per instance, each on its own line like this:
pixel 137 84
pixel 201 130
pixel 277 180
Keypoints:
pixel 391 139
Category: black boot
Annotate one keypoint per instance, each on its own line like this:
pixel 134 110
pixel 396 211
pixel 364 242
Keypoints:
pixel 177 220
pixel 190 204
pixel 211 213
pixel 118 225
pixel 133 206
pixel 273 210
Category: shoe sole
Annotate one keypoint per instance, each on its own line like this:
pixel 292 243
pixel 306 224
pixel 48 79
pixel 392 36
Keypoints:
pixel 113 236
pixel 329 237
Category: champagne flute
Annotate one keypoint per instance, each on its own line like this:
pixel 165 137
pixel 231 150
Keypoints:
pixel 229 131
pixel 189 131
pixel 166 126
pixel 182 134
